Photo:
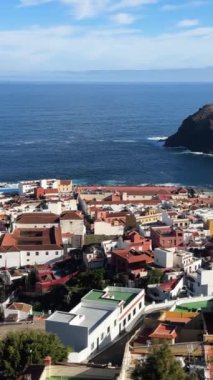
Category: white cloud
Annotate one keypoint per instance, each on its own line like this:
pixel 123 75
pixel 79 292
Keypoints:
pixel 30 3
pixel 82 9
pixel 123 18
pixel 190 4
pixel 188 23
pixel 66 48
pixel 86 8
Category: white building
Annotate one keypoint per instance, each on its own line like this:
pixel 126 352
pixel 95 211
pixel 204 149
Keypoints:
pixel 37 220
pixel 97 320
pixel 94 259
pixel 26 247
pixel 170 258
pixel 105 228
pixel 201 283
pixel 164 257
pixel 186 261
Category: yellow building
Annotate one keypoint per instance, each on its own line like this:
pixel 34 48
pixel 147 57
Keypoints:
pixel 149 216
pixel 210 222
pixel 65 186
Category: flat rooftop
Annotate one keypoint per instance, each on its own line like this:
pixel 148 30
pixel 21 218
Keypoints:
pixel 91 317
pixel 60 316
pixel 110 296
pixel 194 306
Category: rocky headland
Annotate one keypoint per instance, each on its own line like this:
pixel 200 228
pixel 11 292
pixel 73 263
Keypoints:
pixel 195 132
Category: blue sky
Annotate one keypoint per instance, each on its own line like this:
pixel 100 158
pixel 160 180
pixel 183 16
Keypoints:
pixel 63 35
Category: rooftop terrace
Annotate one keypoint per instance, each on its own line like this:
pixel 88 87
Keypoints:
pixel 110 296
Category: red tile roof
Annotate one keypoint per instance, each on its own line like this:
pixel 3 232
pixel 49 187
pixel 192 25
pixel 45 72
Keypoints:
pixel 70 215
pixel 32 239
pixel 164 331
pixel 38 218
pixel 128 255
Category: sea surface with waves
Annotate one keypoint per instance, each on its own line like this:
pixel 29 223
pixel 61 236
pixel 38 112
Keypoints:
pixel 99 133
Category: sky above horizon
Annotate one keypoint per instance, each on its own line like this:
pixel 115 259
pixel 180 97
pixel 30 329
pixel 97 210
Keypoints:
pixel 66 35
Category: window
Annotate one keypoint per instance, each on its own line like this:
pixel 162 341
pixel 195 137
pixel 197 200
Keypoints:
pixel 102 336
pixel 28 259
pixel 124 322
pixel 47 253
pixel 92 346
pixel 0 256
pixel 129 317
pixel 56 253
pixel 115 322
pixel 108 329
pixel 140 305
pixel 37 253
pixel 134 311
pixel 28 253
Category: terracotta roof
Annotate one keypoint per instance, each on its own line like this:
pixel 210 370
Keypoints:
pixel 70 215
pixel 65 182
pixel 168 286
pixel 164 331
pixel 131 257
pixel 139 189
pixel 38 218
pixel 31 239
pixel 26 308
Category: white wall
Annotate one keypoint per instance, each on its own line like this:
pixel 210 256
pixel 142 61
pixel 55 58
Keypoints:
pixel 54 207
pixel 164 258
pixel 40 257
pixel 104 228
pixel 74 226
pixel 18 259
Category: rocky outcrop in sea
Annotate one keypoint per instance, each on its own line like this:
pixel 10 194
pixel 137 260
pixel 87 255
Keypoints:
pixel 195 132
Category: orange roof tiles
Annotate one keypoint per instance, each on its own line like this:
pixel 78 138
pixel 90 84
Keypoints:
pixel 133 258
pixel 164 331
pixel 38 218
pixel 70 215
pixel 32 239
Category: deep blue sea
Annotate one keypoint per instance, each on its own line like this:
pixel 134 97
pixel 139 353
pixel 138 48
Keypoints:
pixel 99 133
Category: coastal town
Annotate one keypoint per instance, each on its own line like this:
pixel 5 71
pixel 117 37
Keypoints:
pixel 112 271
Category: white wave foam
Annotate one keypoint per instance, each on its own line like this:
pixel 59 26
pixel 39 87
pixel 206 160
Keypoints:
pixel 195 153
pixel 166 184
pixel 157 138
pixel 124 141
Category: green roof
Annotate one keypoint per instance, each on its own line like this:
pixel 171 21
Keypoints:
pixel 195 305
pixel 117 296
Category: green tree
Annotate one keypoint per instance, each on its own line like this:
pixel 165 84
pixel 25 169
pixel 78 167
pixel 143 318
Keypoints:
pixel 160 365
pixel 92 279
pixel 19 349
pixel 154 276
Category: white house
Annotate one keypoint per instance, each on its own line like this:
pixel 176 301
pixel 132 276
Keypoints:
pixel 36 220
pixel 200 283
pixel 94 259
pixel 105 228
pixel 164 257
pixel 186 261
pixel 170 258
pixel 165 291
pixel 97 320
pixel 19 309
pixel 26 247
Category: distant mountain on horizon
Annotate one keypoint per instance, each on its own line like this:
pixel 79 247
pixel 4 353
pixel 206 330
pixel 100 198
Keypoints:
pixel 91 76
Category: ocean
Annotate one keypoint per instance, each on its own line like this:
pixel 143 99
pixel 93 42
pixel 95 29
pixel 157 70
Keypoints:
pixel 100 133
